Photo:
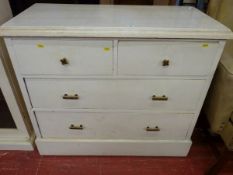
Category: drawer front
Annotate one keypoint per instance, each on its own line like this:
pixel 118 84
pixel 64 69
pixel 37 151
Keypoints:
pixel 113 125
pixel 165 57
pixel 180 95
pixel 64 57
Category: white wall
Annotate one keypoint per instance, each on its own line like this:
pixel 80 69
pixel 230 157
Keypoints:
pixel 5 11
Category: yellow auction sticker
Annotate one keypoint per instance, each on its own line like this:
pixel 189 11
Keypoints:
pixel 205 45
pixel 40 45
pixel 106 49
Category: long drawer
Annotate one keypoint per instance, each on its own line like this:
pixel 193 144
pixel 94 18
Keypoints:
pixel 166 57
pixel 64 56
pixel 91 125
pixel 159 95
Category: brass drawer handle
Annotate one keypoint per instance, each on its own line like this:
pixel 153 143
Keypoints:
pixel 156 128
pixel 159 98
pixel 166 62
pixel 70 97
pixel 78 127
pixel 64 61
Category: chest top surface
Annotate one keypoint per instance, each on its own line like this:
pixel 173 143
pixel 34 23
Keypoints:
pixel 114 21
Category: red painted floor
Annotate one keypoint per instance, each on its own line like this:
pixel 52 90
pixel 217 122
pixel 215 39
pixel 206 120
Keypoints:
pixel 31 163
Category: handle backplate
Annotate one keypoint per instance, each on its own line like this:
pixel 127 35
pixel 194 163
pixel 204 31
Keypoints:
pixel 159 98
pixel 77 127
pixel 156 128
pixel 70 97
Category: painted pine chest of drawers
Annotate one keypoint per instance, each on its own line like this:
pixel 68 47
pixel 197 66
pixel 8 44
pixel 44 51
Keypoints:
pixel 114 80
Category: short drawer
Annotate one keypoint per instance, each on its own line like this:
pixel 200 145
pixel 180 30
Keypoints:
pixel 159 95
pixel 64 56
pixel 106 125
pixel 166 57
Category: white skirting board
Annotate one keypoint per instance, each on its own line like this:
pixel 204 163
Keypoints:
pixel 24 145
pixel 113 147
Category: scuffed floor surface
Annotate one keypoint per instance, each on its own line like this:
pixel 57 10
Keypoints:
pixel 31 163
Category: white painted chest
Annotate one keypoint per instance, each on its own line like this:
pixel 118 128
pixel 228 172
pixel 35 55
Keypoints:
pixel 114 80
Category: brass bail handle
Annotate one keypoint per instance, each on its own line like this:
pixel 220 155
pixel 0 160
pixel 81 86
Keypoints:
pixel 70 97
pixel 77 127
pixel 156 128
pixel 165 62
pixel 159 98
pixel 64 61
